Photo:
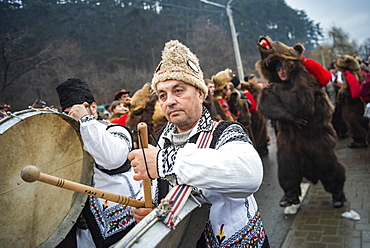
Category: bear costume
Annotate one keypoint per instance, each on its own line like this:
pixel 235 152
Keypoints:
pixel 230 107
pixel 258 120
pixel 221 80
pixel 349 100
pixel 305 137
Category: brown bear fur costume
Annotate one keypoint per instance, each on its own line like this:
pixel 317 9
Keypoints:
pixel 352 108
pixel 305 137
pixel 144 107
pixel 221 80
pixel 238 107
pixel 258 120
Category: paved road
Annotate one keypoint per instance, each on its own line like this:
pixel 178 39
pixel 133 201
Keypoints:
pixel 276 223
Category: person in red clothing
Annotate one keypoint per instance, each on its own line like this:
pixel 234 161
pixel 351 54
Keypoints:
pixel 245 95
pixel 252 89
pixel 350 101
pixel 119 113
pixel 222 81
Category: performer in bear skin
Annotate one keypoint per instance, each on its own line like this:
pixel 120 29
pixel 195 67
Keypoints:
pixel 350 102
pixel 305 137
pixel 222 81
pixel 258 120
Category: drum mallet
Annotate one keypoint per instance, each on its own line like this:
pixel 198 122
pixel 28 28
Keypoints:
pixel 143 143
pixel 32 173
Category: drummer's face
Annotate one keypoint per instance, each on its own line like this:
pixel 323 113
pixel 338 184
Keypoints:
pixel 91 109
pixel 181 103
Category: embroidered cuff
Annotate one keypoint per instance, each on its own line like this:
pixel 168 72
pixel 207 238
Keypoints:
pixel 86 118
pixel 165 162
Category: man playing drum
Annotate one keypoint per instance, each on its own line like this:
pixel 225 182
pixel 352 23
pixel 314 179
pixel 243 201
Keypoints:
pixel 228 170
pixel 102 222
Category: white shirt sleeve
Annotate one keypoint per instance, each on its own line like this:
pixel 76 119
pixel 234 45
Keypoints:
pixel 109 147
pixel 235 169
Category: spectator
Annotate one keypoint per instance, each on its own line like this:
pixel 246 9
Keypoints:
pixel 122 95
pixel 3 112
pixel 119 113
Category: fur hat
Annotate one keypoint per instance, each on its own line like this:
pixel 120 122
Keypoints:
pixel 235 80
pixel 74 91
pixel 179 63
pixel 222 78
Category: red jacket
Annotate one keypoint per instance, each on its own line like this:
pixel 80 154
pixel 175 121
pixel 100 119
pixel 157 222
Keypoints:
pixel 121 120
pixel 253 107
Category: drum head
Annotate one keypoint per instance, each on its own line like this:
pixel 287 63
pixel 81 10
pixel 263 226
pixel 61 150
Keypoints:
pixel 38 214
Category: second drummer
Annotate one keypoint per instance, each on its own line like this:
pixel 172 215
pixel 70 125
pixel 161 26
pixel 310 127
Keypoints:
pixel 102 222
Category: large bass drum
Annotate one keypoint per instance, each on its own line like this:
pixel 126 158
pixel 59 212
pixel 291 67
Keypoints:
pixel 35 214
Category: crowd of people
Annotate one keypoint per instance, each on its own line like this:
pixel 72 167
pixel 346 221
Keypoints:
pixel 223 107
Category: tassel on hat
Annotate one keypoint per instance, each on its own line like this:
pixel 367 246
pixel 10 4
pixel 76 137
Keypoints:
pixel 74 91
pixel 179 63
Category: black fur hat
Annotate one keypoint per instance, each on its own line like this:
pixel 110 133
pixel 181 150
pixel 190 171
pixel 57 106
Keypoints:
pixel 235 81
pixel 74 91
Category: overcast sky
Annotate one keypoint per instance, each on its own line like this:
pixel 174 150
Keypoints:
pixel 353 16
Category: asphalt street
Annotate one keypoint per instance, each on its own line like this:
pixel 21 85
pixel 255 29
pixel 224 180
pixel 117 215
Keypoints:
pixel 275 221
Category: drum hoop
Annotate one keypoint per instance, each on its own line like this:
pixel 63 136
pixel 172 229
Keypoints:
pixel 5 124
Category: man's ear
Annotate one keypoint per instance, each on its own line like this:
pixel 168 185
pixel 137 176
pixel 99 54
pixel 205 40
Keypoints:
pixel 201 94
pixel 94 107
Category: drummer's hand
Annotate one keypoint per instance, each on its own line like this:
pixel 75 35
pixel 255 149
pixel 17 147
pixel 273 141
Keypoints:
pixel 78 111
pixel 139 164
pixel 140 213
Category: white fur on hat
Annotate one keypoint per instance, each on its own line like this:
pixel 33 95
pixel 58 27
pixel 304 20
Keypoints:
pixel 179 63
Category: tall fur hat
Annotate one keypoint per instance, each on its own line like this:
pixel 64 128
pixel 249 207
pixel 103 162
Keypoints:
pixel 222 78
pixel 74 91
pixel 179 63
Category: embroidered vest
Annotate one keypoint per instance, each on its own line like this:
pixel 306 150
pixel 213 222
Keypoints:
pixel 253 233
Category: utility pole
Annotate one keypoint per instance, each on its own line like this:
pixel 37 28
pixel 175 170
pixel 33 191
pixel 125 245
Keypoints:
pixel 233 35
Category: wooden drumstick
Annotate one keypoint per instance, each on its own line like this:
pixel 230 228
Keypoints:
pixel 143 143
pixel 32 173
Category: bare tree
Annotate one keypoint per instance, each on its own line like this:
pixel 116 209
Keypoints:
pixel 213 47
pixel 15 62
pixel 365 50
pixel 341 43
pixel 338 44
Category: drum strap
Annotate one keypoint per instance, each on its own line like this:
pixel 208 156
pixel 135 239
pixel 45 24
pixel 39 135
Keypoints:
pixel 204 139
pixel 180 193
pixel 122 169
pixel 126 166
pixel 177 197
